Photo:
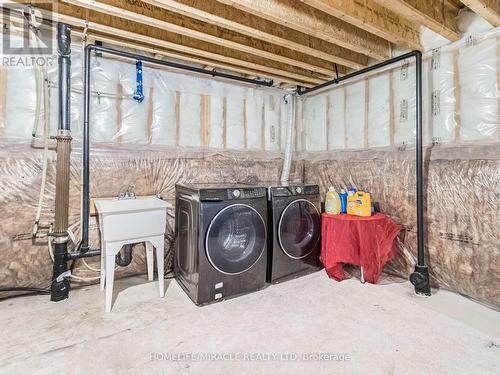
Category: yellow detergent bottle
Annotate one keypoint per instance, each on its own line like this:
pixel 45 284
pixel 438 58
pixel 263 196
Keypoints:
pixel 359 204
pixel 332 202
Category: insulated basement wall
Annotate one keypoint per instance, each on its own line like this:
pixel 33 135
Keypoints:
pixel 178 109
pixel 378 110
pixel 188 129
pixel 462 208
pixel 192 129
pixel 152 170
pixel 375 118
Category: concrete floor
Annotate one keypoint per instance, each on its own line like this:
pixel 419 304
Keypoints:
pixel 360 329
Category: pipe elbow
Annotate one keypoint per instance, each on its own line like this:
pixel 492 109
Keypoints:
pixel 64 39
pixel 89 48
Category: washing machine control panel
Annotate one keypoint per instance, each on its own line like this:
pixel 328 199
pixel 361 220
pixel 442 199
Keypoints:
pixel 246 193
pixel 291 190
pixel 231 193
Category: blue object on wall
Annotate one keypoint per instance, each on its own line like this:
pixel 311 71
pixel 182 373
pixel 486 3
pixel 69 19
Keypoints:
pixel 139 92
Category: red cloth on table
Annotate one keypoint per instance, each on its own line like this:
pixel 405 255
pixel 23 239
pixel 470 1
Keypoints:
pixel 362 241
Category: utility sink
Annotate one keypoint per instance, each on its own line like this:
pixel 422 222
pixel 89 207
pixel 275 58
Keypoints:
pixel 128 219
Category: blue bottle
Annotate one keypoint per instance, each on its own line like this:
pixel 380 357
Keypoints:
pixel 343 201
pixel 353 190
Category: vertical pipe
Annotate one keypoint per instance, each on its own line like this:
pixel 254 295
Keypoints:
pixel 84 246
pixel 419 162
pixel 63 133
pixel 60 285
pixel 64 62
pixel 420 278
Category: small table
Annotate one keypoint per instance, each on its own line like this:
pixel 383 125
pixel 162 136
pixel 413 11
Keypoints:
pixel 367 242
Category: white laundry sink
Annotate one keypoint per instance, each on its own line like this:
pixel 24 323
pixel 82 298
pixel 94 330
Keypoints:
pixel 127 219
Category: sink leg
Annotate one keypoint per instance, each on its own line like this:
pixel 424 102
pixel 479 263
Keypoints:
pixel 103 266
pixel 160 258
pixel 149 260
pixel 110 278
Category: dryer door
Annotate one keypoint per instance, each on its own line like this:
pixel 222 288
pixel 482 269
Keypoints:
pixel 299 228
pixel 235 239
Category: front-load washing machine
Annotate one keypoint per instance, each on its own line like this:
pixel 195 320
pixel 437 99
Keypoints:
pixel 295 231
pixel 221 240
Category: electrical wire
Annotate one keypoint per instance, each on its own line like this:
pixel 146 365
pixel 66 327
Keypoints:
pixel 95 93
pixel 42 90
pixel 45 154
pixel 23 289
pixel 26 292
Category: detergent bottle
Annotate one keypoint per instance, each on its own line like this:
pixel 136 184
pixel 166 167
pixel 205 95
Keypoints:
pixel 332 202
pixel 359 204
pixel 343 201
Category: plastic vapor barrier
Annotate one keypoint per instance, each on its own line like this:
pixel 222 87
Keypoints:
pixel 197 129
pixel 188 128
pixel 178 109
pixel 151 170
pixel 462 208
pixel 362 133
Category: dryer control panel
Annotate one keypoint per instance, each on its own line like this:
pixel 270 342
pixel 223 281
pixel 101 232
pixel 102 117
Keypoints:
pixel 291 190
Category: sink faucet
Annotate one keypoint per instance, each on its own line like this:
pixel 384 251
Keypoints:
pixel 128 194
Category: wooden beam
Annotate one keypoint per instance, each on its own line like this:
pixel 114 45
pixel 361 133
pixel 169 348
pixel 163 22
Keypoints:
pixel 146 14
pixel 294 14
pixel 372 17
pixel 115 40
pixel 119 27
pixel 488 9
pixel 439 16
pixel 259 28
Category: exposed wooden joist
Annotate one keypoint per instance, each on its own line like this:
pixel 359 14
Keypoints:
pixel 311 21
pixel 162 53
pixel 373 17
pixel 255 27
pixel 488 9
pixel 438 15
pixel 129 30
pixel 138 11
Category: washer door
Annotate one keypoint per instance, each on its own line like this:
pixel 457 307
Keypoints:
pixel 299 228
pixel 236 239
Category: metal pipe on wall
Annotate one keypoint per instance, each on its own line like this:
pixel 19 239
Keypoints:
pixel 84 244
pixel 60 284
pixel 419 278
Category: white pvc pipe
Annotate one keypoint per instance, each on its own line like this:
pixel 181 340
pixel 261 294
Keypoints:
pixel 287 162
pixel 42 77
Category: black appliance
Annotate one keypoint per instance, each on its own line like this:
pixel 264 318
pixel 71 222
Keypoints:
pixel 295 231
pixel 221 240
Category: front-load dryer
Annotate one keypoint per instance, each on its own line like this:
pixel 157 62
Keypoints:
pixel 221 240
pixel 295 231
